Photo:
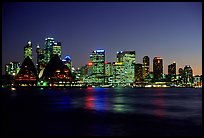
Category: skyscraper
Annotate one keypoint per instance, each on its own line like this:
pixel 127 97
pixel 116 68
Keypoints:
pixel 98 66
pixel 28 50
pixel 157 68
pixel 172 71
pixel 57 49
pixel 108 72
pixel 119 76
pixel 188 75
pixel 41 63
pixel 128 60
pixel 138 72
pixel 49 43
pixel 146 67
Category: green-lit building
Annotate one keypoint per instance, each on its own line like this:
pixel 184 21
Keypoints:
pixel 13 68
pixel 57 49
pixel 128 60
pixel 97 64
pixel 49 43
pixel 119 76
pixel 28 50
pixel 108 72
pixel 41 63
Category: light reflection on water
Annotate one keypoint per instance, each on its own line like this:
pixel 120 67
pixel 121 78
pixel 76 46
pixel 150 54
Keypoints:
pixel 105 111
pixel 172 103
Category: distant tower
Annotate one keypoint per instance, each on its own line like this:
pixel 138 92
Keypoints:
pixel 57 49
pixel 172 71
pixel 138 72
pixel 49 43
pixel 157 68
pixel 188 75
pixel 28 50
pixel 146 66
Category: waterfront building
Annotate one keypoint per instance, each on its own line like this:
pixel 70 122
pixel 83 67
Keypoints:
pixel 28 50
pixel 127 58
pixel 56 73
pixel 146 67
pixel 57 49
pixel 119 76
pixel 172 72
pixel 97 64
pixel 49 43
pixel 67 61
pixel 27 76
pixel 41 62
pixel 138 72
pixel 108 72
pixel 12 68
pixel 188 75
pixel 158 68
pixel 197 80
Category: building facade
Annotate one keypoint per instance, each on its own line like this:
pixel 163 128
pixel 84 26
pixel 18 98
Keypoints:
pixel 138 72
pixel 28 50
pixel 127 58
pixel 158 68
pixel 146 67
pixel 13 68
pixel 188 75
pixel 97 64
pixel 172 72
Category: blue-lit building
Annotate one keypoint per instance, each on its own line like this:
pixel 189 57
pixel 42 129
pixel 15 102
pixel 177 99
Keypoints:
pixel 67 61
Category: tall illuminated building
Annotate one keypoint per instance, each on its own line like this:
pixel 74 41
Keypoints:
pixel 108 72
pixel 67 61
pixel 12 68
pixel 188 75
pixel 57 49
pixel 158 68
pixel 28 50
pixel 49 43
pixel 172 71
pixel 138 72
pixel 146 67
pixel 128 60
pixel 41 61
pixel 97 63
pixel 119 76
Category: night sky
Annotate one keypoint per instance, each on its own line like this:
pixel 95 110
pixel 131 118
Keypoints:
pixel 172 31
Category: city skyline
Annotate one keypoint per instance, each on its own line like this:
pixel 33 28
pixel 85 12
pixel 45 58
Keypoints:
pixel 93 34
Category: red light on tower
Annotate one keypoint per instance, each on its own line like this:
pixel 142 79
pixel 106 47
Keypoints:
pixel 90 63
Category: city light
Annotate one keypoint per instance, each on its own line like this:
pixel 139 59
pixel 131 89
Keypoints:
pixel 53 71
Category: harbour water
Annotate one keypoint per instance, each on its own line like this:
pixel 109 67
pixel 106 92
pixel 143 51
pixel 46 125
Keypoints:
pixel 102 112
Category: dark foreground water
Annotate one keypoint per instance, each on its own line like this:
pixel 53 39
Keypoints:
pixel 102 111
